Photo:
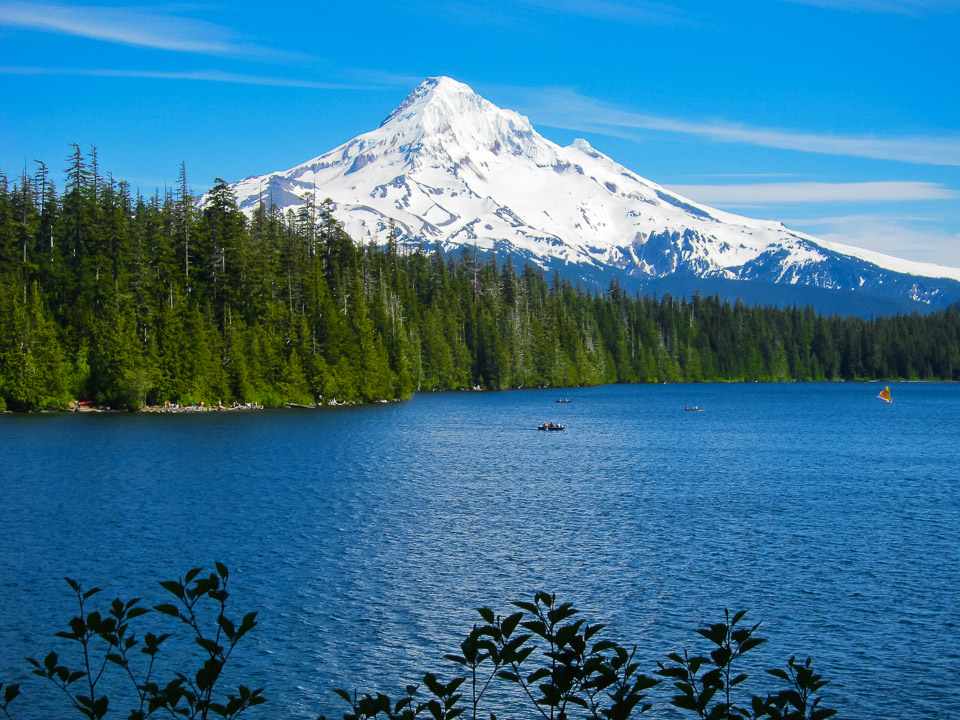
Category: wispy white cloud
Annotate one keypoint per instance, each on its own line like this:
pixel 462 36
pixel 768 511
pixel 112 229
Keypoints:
pixel 199 75
pixel 568 109
pixel 899 7
pixel 906 237
pixel 524 12
pixel 136 26
pixel 383 78
pixel 753 175
pixel 643 13
pixel 753 194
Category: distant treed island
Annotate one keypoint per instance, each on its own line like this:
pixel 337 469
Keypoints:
pixel 113 298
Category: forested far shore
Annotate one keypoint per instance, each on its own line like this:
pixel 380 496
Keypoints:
pixel 123 300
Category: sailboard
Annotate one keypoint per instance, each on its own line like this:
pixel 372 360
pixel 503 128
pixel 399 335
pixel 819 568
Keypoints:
pixel 885 395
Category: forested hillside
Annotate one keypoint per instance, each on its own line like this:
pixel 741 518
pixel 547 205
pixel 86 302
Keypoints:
pixel 125 300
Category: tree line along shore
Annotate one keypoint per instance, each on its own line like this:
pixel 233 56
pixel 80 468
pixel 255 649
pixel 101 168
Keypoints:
pixel 117 299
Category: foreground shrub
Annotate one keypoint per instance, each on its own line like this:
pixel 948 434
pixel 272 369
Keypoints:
pixel 104 640
pixel 543 654
pixel 562 667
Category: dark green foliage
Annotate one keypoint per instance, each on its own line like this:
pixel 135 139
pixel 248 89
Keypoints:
pixel 798 701
pixel 191 693
pixel 33 371
pixel 563 669
pixel 573 669
pixel 105 641
pixel 557 661
pixel 10 693
pixel 710 693
pixel 706 684
pixel 130 301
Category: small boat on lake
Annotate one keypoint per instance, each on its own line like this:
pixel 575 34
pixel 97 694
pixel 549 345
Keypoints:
pixel 694 408
pixel 563 400
pixel 551 426
pixel 885 395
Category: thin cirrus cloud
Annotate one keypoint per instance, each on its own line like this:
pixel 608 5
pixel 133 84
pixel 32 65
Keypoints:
pixel 642 13
pixel 510 15
pixel 572 111
pixel 131 26
pixel 907 237
pixel 198 75
pixel 899 7
pixel 753 194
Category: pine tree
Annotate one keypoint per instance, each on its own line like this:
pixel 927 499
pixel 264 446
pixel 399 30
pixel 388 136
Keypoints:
pixel 33 371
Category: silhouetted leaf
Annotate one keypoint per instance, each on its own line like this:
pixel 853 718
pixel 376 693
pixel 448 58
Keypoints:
pixel 717 634
pixel 454 684
pixel 538 674
pixel 751 643
pixel 683 702
pixel 536 627
pixel 173 587
pixel 226 626
pixel 509 624
pixel 209 645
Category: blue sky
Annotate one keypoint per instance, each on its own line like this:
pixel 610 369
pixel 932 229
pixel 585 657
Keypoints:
pixel 840 118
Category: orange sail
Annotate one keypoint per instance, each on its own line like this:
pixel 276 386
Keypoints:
pixel 885 395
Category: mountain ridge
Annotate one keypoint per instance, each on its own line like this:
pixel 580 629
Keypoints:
pixel 449 168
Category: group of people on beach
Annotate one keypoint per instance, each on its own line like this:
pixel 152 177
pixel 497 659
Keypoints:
pixel 203 407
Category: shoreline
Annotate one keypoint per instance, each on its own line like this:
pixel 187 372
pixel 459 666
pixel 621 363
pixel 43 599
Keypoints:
pixel 172 408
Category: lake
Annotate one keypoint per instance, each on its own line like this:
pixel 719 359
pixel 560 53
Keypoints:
pixel 366 536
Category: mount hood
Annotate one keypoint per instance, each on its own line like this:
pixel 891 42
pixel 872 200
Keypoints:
pixel 449 168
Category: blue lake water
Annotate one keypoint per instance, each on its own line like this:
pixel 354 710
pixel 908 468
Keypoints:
pixel 365 537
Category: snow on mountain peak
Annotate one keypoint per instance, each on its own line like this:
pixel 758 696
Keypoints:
pixel 584 147
pixel 449 167
pixel 443 108
pixel 441 90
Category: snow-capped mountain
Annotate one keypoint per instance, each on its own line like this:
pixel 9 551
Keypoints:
pixel 449 167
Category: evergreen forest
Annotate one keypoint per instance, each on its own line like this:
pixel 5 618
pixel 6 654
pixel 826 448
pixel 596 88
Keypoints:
pixel 112 297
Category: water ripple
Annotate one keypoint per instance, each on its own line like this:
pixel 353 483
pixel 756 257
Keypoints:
pixel 367 536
